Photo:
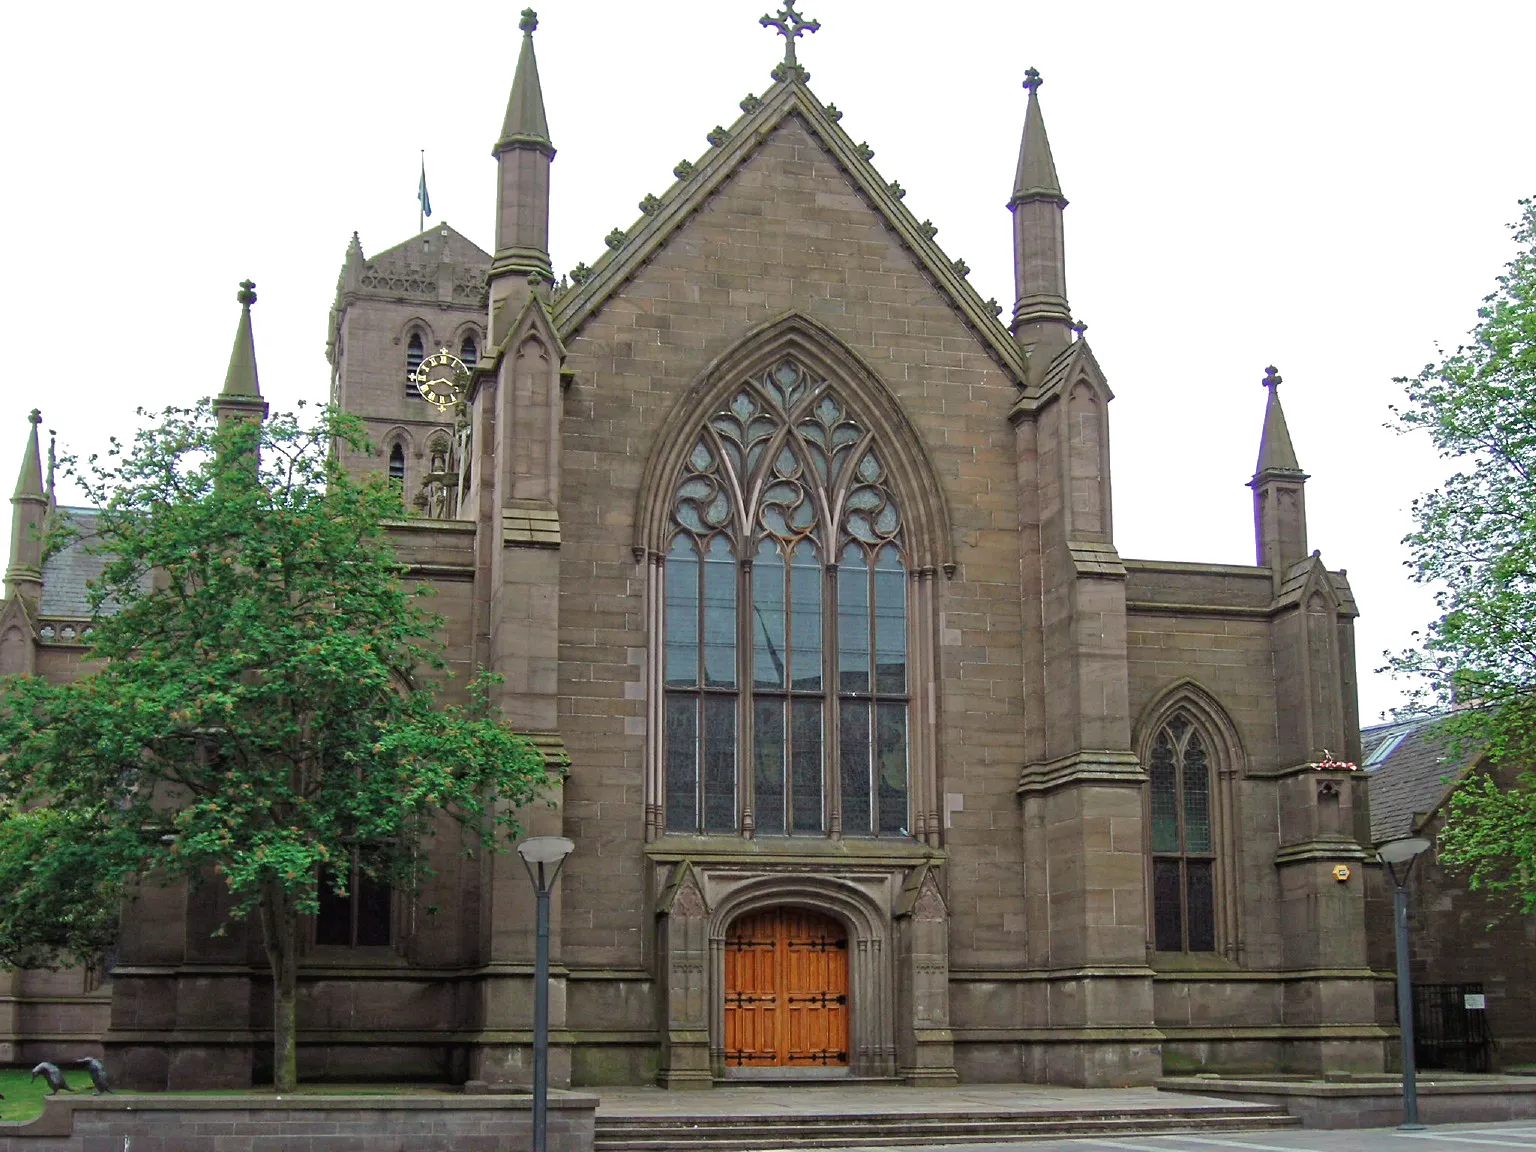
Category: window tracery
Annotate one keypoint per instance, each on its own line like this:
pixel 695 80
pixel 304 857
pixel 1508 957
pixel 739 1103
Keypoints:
pixel 785 622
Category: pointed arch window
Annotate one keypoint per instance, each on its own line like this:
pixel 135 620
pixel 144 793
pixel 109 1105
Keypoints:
pixel 469 350
pixel 415 353
pixel 1183 840
pixel 785 623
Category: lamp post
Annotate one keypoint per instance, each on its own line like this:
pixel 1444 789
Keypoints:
pixel 1394 853
pixel 542 857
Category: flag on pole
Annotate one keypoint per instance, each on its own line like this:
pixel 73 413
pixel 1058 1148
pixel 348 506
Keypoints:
pixel 422 197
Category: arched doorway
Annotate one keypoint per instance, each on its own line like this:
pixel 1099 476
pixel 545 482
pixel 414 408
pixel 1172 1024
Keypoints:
pixel 786 990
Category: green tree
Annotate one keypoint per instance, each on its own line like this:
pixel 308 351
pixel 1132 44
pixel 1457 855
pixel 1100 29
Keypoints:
pixel 260 711
pixel 1475 543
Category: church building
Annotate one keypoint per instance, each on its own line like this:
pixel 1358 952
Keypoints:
pixel 883 762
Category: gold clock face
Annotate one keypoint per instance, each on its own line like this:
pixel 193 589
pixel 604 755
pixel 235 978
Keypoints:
pixel 442 379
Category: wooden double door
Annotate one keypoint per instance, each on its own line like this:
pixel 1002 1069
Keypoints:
pixel 786 990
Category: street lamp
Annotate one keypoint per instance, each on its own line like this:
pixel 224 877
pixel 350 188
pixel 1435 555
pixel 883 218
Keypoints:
pixel 542 856
pixel 1394 853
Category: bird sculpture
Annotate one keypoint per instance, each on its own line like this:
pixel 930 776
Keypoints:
pixel 55 1078
pixel 97 1071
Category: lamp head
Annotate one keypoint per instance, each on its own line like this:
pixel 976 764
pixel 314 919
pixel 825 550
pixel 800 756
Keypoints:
pixel 1401 851
pixel 545 849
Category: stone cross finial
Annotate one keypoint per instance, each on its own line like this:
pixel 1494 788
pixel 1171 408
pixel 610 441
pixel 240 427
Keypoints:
pixel 1079 326
pixel 791 26
pixel 1032 80
pixel 1271 377
pixel 530 21
pixel 247 293
pixel 35 416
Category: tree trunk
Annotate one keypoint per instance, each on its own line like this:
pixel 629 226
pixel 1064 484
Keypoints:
pixel 279 929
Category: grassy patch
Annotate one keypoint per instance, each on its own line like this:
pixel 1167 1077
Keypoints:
pixel 24 1097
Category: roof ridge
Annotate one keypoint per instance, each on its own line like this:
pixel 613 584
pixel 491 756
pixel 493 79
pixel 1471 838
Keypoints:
pixel 439 228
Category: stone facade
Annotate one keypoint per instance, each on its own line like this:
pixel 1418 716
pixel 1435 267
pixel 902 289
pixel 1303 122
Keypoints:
pixel 1008 930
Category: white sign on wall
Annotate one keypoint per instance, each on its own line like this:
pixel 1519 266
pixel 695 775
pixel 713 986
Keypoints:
pixel 1474 1000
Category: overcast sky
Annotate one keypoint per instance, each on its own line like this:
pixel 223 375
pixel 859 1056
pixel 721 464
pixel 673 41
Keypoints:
pixel 1320 186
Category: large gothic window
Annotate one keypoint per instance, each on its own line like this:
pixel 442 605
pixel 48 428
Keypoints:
pixel 1183 855
pixel 784 653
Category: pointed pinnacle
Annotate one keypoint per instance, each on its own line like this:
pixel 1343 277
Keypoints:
pixel 1275 451
pixel 241 380
pixel 29 483
pixel 525 122
pixel 1035 178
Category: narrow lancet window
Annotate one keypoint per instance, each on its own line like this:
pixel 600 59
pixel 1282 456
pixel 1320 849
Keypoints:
pixel 1183 859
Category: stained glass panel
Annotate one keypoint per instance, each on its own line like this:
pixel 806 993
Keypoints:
pixel 682 737
pixel 805 618
pixel 768 618
pixel 1197 797
pixel 1201 905
pixel 891 767
pixel 682 606
pixel 768 758
pixel 805 765
pixel 853 756
pixel 719 763
pixel 719 615
pixel 853 621
pixel 1165 803
pixel 890 622
pixel 1167 915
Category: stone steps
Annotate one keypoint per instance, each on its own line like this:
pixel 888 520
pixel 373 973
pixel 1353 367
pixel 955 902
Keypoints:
pixel 707 1133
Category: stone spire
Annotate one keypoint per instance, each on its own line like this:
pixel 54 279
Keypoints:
pixel 242 392
pixel 1279 489
pixel 1042 321
pixel 24 572
pixel 523 155
pixel 1275 451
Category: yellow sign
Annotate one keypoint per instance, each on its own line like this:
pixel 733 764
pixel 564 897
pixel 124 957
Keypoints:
pixel 1341 872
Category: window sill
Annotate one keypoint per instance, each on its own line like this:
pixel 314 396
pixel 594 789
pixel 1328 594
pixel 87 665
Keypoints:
pixel 1192 963
pixel 733 849
pixel 364 956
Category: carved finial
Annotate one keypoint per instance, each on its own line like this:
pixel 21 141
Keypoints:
pixel 1032 80
pixel 35 416
pixel 529 22
pixel 1271 377
pixel 247 293
pixel 1079 326
pixel 791 25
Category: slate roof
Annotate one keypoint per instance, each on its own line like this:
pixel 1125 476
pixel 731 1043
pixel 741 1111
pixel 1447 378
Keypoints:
pixel 1412 767
pixel 68 571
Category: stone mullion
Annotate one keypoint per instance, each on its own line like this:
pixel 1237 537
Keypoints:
pixel 922 744
pixel 745 712
pixel 831 746
pixel 655 694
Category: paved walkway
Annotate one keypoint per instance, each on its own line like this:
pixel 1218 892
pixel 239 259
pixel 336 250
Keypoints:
pixel 889 1099
pixel 1514 1134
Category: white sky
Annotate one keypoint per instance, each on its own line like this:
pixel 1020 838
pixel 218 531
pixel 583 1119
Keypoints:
pixel 1319 186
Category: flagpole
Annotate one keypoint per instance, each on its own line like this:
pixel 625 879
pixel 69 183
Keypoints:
pixel 421 204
